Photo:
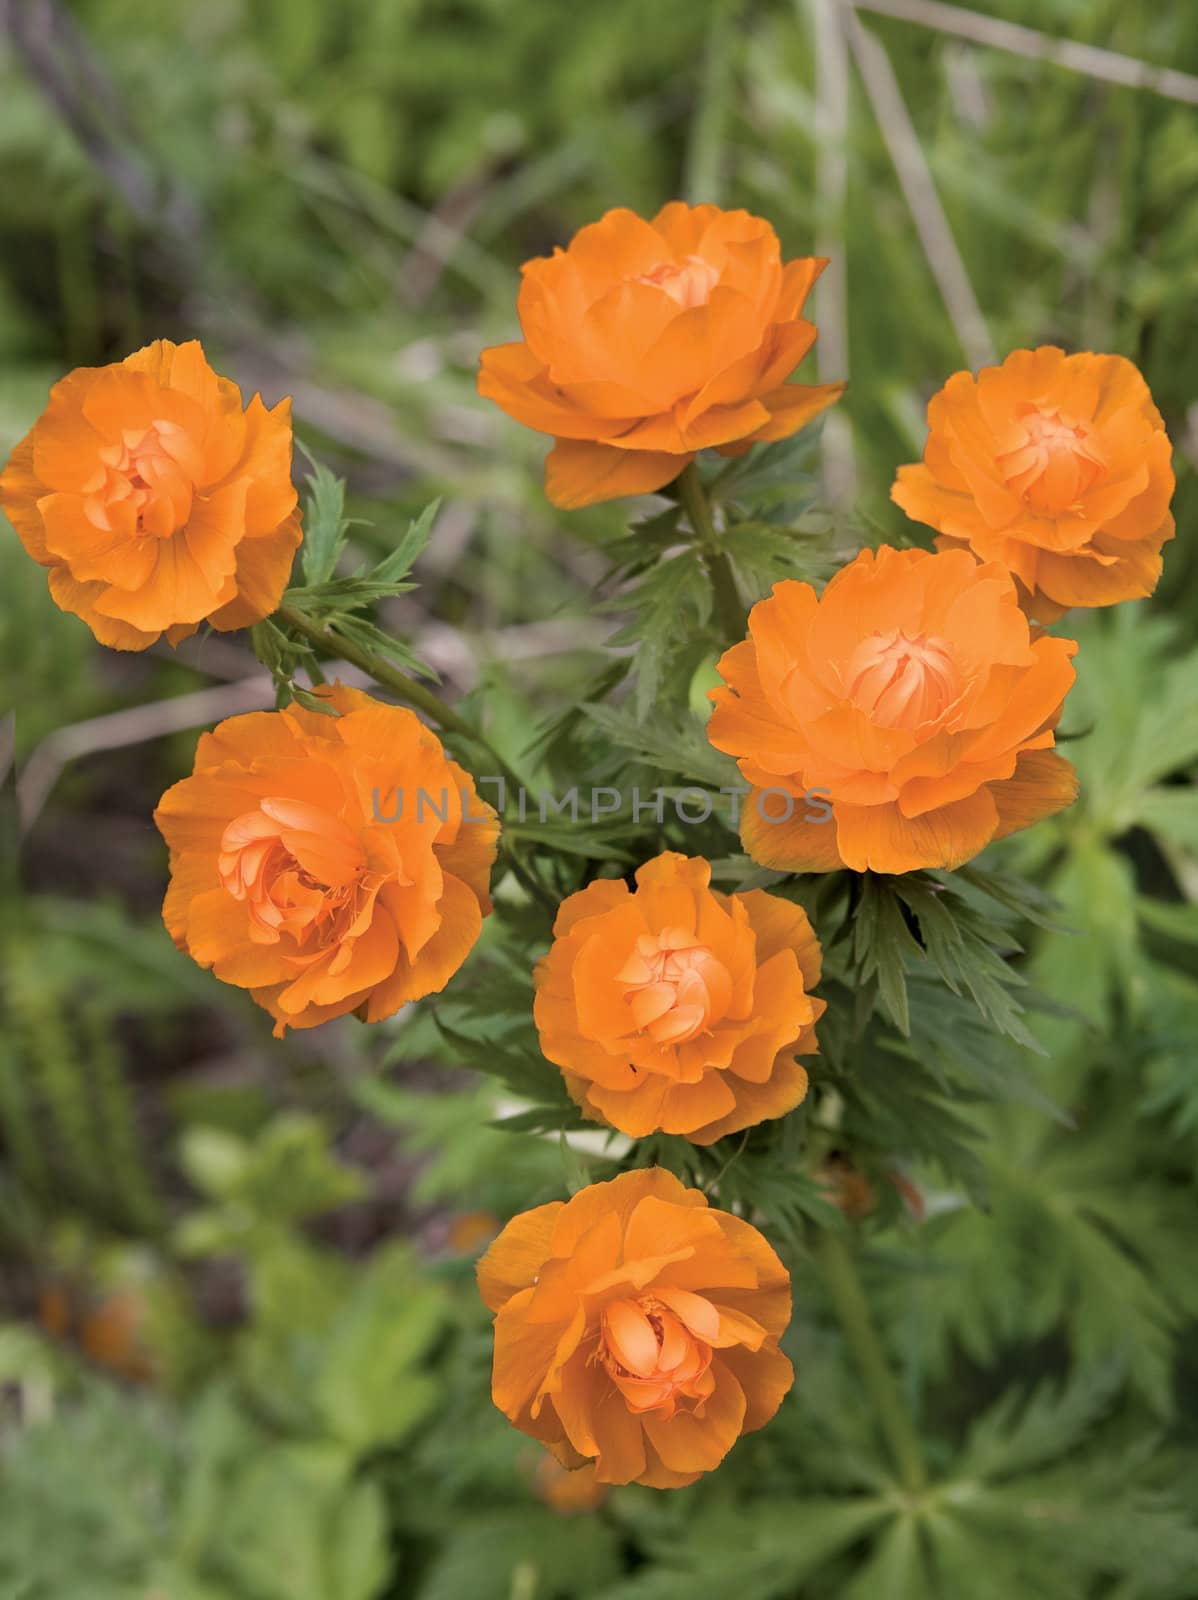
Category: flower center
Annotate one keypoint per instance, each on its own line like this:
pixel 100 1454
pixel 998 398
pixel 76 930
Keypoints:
pixel 652 1356
pixel 146 480
pixel 299 870
pixel 902 681
pixel 1055 465
pixel 689 283
pixel 674 986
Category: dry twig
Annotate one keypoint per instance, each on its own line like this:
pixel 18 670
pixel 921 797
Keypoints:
pixel 914 174
pixel 1110 66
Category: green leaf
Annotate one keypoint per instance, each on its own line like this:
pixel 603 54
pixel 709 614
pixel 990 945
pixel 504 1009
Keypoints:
pixel 897 1568
pixel 670 607
pixel 759 1550
pixel 370 1390
pixel 324 525
pixel 522 1551
pixel 357 1550
pixel 406 553
pixel 1024 1431
pixel 882 943
pixel 286 1172
pixel 294 1528
pixel 1173 814
pixel 675 745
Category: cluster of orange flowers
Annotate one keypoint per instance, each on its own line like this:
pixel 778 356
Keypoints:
pixel 636 1328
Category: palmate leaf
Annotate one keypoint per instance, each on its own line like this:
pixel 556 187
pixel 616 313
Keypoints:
pixel 1024 1431
pixel 949 1037
pixel 962 1560
pixel 645 542
pixel 494 1555
pixel 970 951
pixel 1035 1506
pixel 1170 1084
pixel 753 1173
pixel 1017 895
pixel 883 944
pixel 1057 1531
pixel 764 553
pixel 897 1568
pixel 525 1071
pixel 294 1527
pixel 1098 1250
pixel 1134 696
pixel 785 472
pixel 370 1389
pixel 756 1551
pixel 670 606
pixel 897 1106
pixel 466 1156
pixel 1172 815
pixel 285 1173
pixel 965 936
pixel 674 745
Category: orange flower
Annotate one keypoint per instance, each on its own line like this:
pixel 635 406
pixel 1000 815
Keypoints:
pixel 637 1329
pixel 154 500
pixel 1059 467
pixel 285 881
pixel 645 342
pixel 110 1327
pixel 910 701
pixel 677 1009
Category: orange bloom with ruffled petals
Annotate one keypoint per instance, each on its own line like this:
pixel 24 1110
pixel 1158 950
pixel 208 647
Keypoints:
pixel 678 1009
pixel 911 699
pixel 327 864
pixel 156 501
pixel 1059 467
pixel 645 342
pixel 637 1329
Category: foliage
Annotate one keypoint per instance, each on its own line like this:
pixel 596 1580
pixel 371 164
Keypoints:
pixel 1003 1125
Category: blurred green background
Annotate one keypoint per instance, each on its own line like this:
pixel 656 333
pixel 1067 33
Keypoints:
pixel 240 1354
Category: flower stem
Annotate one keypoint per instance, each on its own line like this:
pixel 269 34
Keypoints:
pixel 852 1308
pixel 412 693
pixel 730 613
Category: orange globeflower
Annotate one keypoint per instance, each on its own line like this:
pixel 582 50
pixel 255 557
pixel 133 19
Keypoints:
pixel 1059 467
pixel 327 864
pixel 645 342
pixel 155 501
pixel 903 719
pixel 637 1329
pixel 677 1009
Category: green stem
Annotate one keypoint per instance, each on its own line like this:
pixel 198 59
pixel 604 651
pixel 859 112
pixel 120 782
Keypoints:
pixel 412 693
pixel 730 613
pixel 852 1308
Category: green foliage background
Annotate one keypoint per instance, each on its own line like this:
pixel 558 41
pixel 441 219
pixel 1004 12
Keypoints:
pixel 337 199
